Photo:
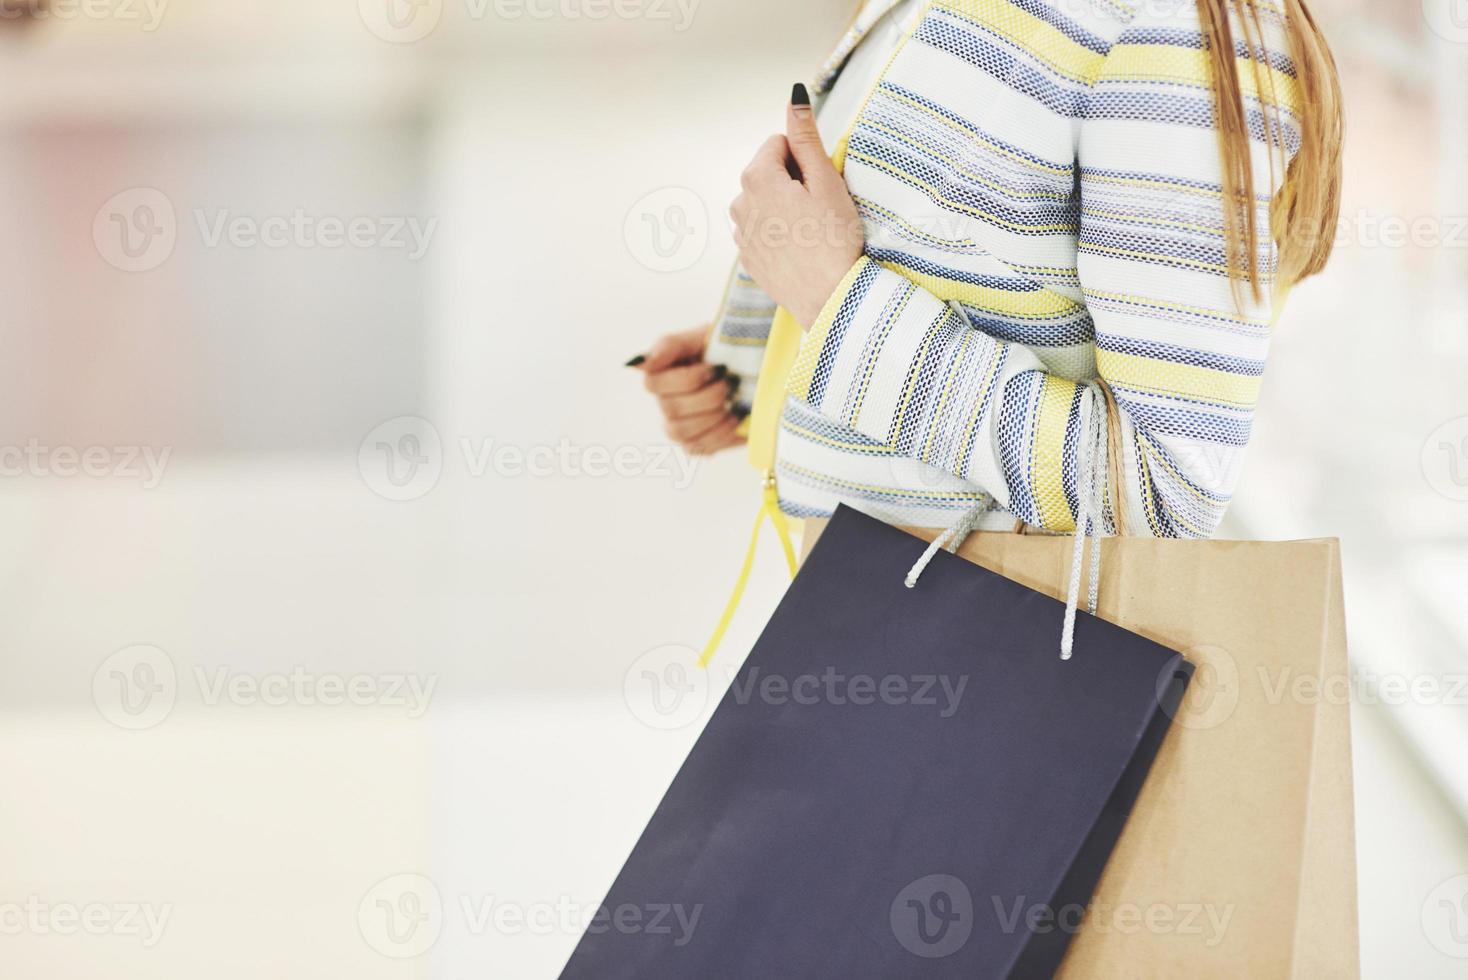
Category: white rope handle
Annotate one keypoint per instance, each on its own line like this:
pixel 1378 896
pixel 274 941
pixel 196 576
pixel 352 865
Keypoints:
pixel 1093 465
pixel 1091 507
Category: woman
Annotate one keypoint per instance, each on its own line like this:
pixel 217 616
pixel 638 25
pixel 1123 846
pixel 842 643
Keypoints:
pixel 999 203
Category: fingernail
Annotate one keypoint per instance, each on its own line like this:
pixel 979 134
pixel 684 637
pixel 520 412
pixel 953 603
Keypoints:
pixel 733 384
pixel 637 361
pixel 720 371
pixel 800 95
pixel 740 411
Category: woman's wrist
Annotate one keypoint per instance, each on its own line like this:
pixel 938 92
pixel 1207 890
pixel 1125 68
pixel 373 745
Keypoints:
pixel 815 299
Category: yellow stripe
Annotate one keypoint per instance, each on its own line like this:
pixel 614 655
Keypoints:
pixel 969 134
pixel 912 382
pixel 801 372
pixel 742 341
pixel 1042 41
pixel 1032 304
pixel 908 227
pixel 883 491
pixel 1189 66
pixel 939 198
pixel 1188 380
pixel 1047 456
pixel 959 168
pixel 953 370
pixel 1133 253
pixel 871 365
pixel 1147 302
pixel 811 436
pixel 971 430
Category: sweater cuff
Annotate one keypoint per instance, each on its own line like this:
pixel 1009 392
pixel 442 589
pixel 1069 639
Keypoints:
pixel 891 361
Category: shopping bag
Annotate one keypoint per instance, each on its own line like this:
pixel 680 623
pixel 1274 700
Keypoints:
pixel 1239 858
pixel 900 782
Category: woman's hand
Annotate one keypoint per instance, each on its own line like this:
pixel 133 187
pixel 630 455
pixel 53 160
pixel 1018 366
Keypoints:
pixel 695 397
pixel 797 227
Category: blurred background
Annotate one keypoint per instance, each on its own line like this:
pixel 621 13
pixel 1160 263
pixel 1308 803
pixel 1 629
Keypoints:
pixel 337 539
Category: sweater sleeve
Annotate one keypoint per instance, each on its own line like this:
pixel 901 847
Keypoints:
pixel 740 332
pixel 891 360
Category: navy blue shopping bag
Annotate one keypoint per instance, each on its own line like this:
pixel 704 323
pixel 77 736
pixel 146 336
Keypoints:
pixel 899 783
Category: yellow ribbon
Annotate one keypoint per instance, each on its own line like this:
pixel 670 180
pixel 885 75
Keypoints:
pixel 764 425
pixel 771 509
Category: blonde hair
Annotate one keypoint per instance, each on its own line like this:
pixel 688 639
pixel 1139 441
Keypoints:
pixel 1304 213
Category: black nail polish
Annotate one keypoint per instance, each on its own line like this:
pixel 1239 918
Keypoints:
pixel 637 361
pixel 720 371
pixel 800 95
pixel 740 412
pixel 733 384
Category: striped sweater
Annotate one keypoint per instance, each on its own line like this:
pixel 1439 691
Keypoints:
pixel 1040 186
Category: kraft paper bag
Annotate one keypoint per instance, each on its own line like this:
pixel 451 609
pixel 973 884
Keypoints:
pixel 1239 857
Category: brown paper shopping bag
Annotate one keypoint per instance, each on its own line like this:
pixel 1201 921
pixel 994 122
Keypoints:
pixel 1239 858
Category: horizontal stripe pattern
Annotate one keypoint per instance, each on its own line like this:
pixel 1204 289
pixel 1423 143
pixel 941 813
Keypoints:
pixel 1040 186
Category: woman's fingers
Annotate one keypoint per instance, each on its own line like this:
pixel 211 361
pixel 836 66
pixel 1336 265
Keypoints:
pixel 687 431
pixel 675 349
pixel 684 380
pixel 713 397
pixel 804 140
pixel 722 436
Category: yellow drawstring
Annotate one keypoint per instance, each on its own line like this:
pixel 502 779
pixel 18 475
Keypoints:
pixel 764 422
pixel 769 508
